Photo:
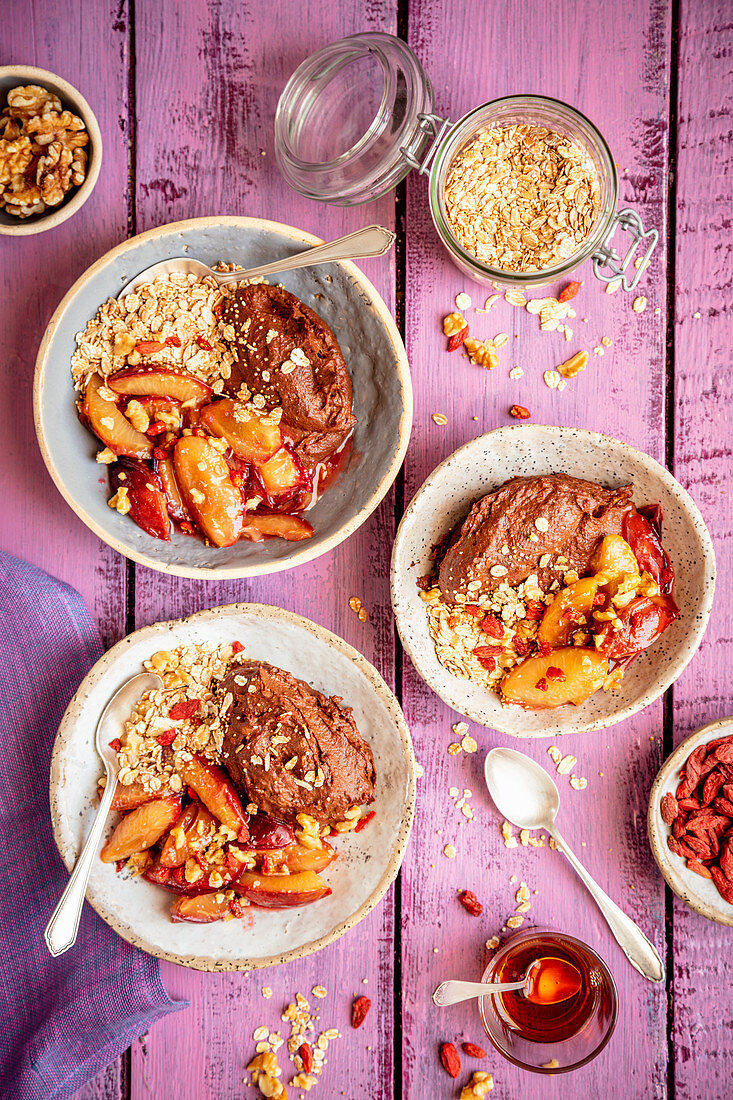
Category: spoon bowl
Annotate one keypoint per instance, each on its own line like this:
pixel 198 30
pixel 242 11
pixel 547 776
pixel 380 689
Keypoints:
pixel 521 789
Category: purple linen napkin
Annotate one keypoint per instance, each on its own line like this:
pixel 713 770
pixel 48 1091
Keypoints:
pixel 61 1020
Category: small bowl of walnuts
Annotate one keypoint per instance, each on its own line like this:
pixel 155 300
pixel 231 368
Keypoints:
pixel 50 150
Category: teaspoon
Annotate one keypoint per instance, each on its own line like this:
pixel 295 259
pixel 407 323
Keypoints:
pixel 373 240
pixel 525 795
pixel 453 992
pixel 63 926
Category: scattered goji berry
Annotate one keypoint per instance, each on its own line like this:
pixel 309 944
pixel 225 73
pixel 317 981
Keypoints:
pixel 519 412
pixel 160 453
pixel 457 339
pixel 166 738
pixel 237 647
pixel 541 684
pixel 535 611
pixel 173 341
pixel 598 599
pixel 364 821
pixel 569 291
pixel 185 709
pixel 156 428
pixel 115 744
pixel 148 347
pixel 470 903
pixel 204 343
pixel 492 626
pixel 489 663
pixel 473 1051
pixel 522 646
pixel 236 907
pixel 306 1057
pixel 555 674
pixel 450 1059
pixel 472 609
pixel 488 651
pixel 544 649
pixel 359 1011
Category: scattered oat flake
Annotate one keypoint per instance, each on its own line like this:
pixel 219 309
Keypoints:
pixel 555 754
pixel 493 943
pixel 566 764
pixel 500 339
pixel 439 418
pixel 459 728
pixel 489 303
pixel 578 783
pixel 551 379
pixel 468 744
pixel 449 851
pixel 606 341
pixel 598 350
pixel 516 372
pixel 515 922
pixel 697 315
pixel 463 300
pixel 266 991
pixel 319 991
pixel 639 304
pixel 613 286
pixel 454 748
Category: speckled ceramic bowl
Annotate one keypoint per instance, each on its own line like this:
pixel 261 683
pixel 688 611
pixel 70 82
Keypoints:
pixel 367 861
pixel 369 340
pixel 697 892
pixel 483 465
pixel 10 77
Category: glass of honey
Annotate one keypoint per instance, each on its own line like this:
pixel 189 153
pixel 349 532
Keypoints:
pixel 566 1013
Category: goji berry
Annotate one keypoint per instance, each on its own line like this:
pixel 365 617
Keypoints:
pixel 148 347
pixel 492 626
pixel 115 744
pixel 473 1051
pixel 555 674
pixel 185 709
pixel 457 339
pixel 522 646
pixel 470 903
pixel 541 684
pixel 472 609
pixel 166 738
pixel 488 651
pixel 364 821
pixel 156 428
pixel 519 412
pixel 204 343
pixel 237 647
pixel 173 341
pixel 489 663
pixel 306 1057
pixel 568 292
pixel 450 1059
pixel 544 649
pixel 359 1011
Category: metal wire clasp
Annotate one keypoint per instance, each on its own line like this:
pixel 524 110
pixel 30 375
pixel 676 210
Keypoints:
pixel 432 126
pixel 608 257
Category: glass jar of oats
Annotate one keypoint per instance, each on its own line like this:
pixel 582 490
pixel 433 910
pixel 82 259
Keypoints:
pixel 522 190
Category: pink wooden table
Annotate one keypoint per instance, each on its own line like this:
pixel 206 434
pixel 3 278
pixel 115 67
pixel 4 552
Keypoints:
pixel 185 94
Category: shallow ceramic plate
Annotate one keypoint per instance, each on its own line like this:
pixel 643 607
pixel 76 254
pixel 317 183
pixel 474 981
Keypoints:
pixel 697 892
pixel 373 350
pixel 367 861
pixel 483 465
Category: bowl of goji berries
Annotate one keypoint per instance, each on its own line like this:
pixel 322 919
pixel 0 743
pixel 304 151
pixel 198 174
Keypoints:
pixel 691 821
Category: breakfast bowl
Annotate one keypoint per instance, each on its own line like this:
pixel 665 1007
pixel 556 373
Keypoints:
pixel 367 860
pixel 692 887
pixel 341 296
pixel 13 76
pixel 483 465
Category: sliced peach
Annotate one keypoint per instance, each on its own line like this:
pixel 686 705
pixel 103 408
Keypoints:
pixel 107 422
pixel 282 474
pixel 292 528
pixel 132 796
pixel 613 560
pixel 208 492
pixel 249 437
pixel 214 787
pixel 571 607
pixel 141 828
pixel 158 381
pixel 175 851
pixel 297 858
pixel 200 910
pixel 281 891
pixel 177 510
pixel 569 675
pixel 148 508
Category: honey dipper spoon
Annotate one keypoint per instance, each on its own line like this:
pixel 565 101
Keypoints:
pixel 373 240
pixel 63 926
pixel 525 795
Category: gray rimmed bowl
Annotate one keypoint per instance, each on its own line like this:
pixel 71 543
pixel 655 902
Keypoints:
pixel 485 463
pixel 10 77
pixel 699 893
pixel 367 861
pixel 373 350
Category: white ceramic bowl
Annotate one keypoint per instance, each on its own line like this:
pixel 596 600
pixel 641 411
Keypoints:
pixel 697 892
pixel 373 350
pixel 367 862
pixel 10 77
pixel 484 464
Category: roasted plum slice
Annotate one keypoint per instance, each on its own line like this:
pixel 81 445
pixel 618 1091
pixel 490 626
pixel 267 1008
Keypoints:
pixel 569 675
pixel 249 436
pixel 646 544
pixel 267 833
pixel 141 828
pixel 132 796
pixel 148 507
pixel 175 850
pixel 613 560
pixel 281 891
pixel 256 528
pixel 283 474
pixel 177 510
pixel 174 879
pixel 570 609
pixel 203 909
pixel 113 428
pixel 215 789
pixel 642 621
pixel 157 381
pixel 204 480
pixel 297 858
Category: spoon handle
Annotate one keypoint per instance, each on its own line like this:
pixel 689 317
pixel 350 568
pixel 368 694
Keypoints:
pixel 374 240
pixel 63 926
pixel 639 951
pixel 452 992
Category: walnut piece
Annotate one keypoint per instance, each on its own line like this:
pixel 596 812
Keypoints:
pixel 29 100
pixel 480 1084
pixel 15 156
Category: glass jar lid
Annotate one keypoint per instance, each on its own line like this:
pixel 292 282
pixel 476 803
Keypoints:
pixel 353 119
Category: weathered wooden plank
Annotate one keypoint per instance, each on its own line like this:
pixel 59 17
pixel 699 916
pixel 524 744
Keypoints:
pixel 36 272
pixel 216 84
pixel 559 49
pixel 703 459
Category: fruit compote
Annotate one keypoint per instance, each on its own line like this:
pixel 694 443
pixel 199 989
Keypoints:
pixel 568 1011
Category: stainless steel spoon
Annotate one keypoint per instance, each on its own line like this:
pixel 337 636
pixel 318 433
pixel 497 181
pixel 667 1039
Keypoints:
pixel 453 992
pixel 63 926
pixel 525 795
pixel 374 240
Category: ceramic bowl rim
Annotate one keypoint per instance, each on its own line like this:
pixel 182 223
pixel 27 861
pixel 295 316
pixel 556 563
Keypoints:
pixel 75 710
pixel 49 219
pixel 594 440
pixel 302 551
pixel 658 831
